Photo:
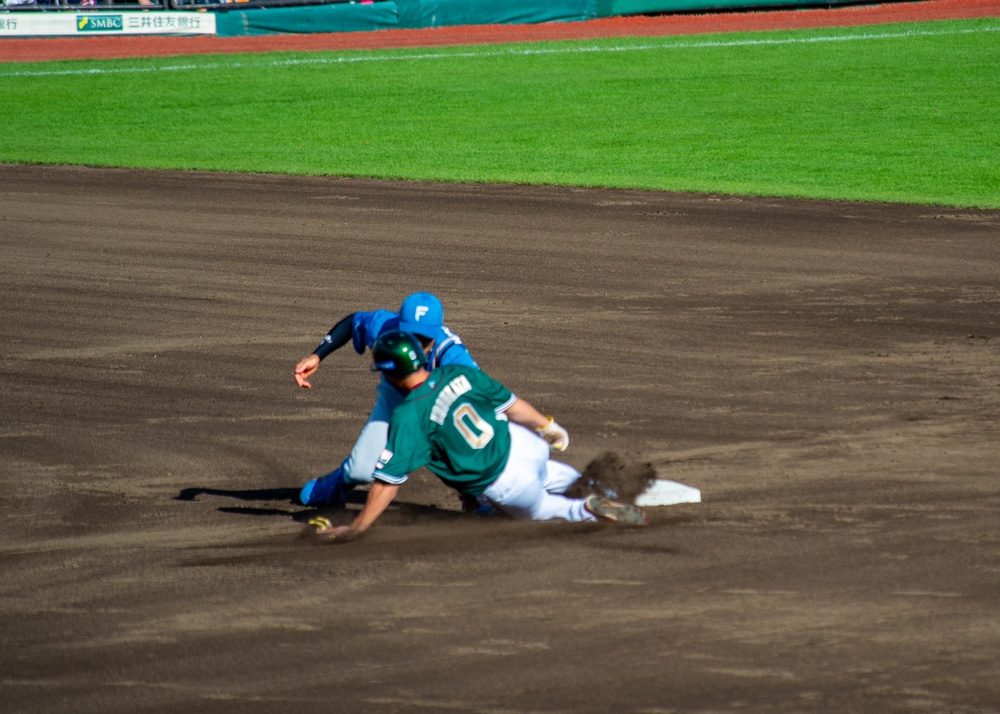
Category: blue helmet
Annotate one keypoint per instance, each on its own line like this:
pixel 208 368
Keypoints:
pixel 421 314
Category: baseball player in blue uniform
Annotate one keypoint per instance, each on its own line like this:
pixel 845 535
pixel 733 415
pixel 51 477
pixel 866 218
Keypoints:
pixel 457 421
pixel 421 315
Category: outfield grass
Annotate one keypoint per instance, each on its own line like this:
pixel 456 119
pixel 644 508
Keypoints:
pixel 901 113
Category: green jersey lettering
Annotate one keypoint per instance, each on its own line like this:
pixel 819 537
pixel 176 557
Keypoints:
pixel 454 424
pixel 449 393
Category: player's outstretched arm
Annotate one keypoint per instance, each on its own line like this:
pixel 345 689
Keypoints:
pixel 523 413
pixel 379 498
pixel 338 336
pixel 306 368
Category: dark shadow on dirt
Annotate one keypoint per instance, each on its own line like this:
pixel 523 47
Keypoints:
pixel 245 511
pixel 400 511
pixel 257 494
pixel 291 495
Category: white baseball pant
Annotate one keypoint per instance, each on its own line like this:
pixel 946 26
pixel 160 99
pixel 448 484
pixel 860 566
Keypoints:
pixel 531 485
pixel 359 467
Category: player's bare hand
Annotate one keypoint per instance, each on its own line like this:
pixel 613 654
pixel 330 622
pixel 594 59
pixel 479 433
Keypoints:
pixel 341 534
pixel 306 368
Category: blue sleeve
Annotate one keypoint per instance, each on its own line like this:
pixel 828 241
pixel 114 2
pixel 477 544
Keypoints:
pixel 449 349
pixel 367 326
pixel 458 354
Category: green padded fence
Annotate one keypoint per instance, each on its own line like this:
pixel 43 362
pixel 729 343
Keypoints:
pixel 414 14
pixel 445 13
pixel 341 17
pixel 641 7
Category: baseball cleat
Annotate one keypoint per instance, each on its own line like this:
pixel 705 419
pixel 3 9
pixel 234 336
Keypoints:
pixel 326 490
pixel 604 509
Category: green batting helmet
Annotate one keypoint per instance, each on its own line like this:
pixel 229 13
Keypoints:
pixel 398 353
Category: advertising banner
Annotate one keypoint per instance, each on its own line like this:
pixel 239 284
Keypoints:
pixel 63 24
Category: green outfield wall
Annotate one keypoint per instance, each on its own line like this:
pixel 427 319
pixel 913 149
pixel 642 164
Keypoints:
pixel 413 14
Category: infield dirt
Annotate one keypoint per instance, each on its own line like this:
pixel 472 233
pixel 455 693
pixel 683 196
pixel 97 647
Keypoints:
pixel 826 373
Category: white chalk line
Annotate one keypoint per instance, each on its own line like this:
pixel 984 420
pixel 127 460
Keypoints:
pixel 501 53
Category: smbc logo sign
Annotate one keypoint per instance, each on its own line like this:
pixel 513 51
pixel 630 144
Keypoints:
pixel 99 23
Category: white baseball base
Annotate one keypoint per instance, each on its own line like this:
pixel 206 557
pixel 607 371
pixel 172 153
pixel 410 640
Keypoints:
pixel 667 493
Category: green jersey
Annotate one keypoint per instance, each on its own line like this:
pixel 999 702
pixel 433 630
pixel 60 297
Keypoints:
pixel 454 424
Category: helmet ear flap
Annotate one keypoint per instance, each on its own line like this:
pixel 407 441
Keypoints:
pixel 398 353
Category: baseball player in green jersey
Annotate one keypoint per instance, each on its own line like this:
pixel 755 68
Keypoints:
pixel 478 438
